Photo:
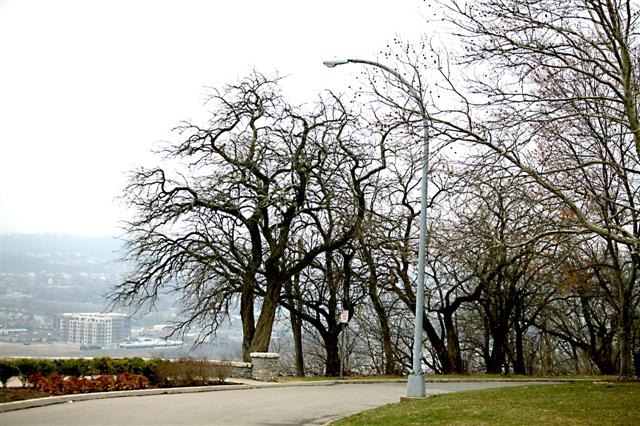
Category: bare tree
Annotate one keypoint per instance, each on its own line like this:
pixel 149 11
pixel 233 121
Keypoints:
pixel 553 89
pixel 218 229
pixel 587 314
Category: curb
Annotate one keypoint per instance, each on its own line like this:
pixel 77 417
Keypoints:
pixel 51 400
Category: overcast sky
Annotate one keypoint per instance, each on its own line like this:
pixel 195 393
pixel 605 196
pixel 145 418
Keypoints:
pixel 88 87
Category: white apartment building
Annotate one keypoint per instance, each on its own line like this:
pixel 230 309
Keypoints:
pixel 92 328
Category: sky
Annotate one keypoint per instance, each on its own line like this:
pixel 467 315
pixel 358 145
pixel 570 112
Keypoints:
pixel 89 87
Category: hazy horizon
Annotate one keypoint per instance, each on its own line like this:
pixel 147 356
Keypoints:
pixel 89 88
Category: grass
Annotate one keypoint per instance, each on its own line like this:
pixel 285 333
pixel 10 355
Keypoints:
pixel 595 403
pixel 288 379
pixel 436 377
pixel 501 377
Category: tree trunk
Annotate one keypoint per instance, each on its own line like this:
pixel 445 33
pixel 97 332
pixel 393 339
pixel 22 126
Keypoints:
pixel 247 295
pixel 262 336
pixel 381 313
pixel 498 351
pixel 625 339
pixel 603 359
pixel 296 327
pixel 437 344
pixel 455 365
pixel 332 348
pixel 390 367
pixel 434 338
pixel 248 320
pixel 519 367
pixel 385 333
pixel 292 290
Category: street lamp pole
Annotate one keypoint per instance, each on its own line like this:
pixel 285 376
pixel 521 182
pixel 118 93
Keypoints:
pixel 415 384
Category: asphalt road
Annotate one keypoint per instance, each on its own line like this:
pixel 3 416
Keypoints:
pixel 290 405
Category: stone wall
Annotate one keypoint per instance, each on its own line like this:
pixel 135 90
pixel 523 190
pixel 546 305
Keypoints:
pixel 265 366
pixel 239 370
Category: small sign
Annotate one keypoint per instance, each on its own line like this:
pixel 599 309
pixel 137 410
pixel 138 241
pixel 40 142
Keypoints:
pixel 344 317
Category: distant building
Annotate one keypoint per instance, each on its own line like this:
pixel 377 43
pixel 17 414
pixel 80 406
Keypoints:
pixel 92 328
pixel 151 344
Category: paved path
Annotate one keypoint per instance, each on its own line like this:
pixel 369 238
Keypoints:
pixel 287 405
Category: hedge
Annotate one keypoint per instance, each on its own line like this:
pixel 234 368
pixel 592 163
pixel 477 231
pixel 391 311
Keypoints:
pixel 158 372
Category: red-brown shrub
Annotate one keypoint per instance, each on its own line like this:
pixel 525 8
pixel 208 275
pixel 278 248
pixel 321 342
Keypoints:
pixel 56 384
pixel 105 384
pixel 74 384
pixel 38 382
pixel 129 381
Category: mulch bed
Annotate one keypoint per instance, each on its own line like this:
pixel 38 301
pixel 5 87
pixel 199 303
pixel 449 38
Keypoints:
pixel 19 394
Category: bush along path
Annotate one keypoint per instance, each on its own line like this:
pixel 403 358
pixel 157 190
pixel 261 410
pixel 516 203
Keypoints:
pixel 45 377
pixel 56 384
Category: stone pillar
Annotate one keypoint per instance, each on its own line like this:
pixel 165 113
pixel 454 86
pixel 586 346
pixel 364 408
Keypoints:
pixel 265 366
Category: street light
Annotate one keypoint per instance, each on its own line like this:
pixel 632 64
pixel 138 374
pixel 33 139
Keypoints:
pixel 415 384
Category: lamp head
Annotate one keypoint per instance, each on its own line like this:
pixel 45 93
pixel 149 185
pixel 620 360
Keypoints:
pixel 335 62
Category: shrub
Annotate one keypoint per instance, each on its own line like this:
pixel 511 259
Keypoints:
pixel 46 367
pixel 164 373
pixel 7 370
pixel 135 365
pixel 158 372
pixel 105 383
pixel 129 381
pixel 221 371
pixel 104 365
pixel 153 370
pixel 26 367
pixel 38 382
pixel 183 372
pixel 59 366
pixel 193 372
pixel 73 384
pixel 56 384
pixel 120 365
pixel 75 367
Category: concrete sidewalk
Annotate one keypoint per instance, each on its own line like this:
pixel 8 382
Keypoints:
pixel 299 403
pixel 236 384
pixel 240 384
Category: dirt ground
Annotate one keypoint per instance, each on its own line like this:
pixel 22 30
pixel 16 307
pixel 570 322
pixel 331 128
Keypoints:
pixel 18 394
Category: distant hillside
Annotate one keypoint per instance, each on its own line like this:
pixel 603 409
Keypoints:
pixel 20 253
pixel 48 243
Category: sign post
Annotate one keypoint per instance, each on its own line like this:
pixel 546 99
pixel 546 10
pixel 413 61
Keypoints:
pixel 344 320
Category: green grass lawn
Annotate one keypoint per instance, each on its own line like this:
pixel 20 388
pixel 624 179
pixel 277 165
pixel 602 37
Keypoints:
pixel 288 379
pixel 436 377
pixel 601 403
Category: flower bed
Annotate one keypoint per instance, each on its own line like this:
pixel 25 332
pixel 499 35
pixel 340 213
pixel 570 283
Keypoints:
pixel 56 384
pixel 45 377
